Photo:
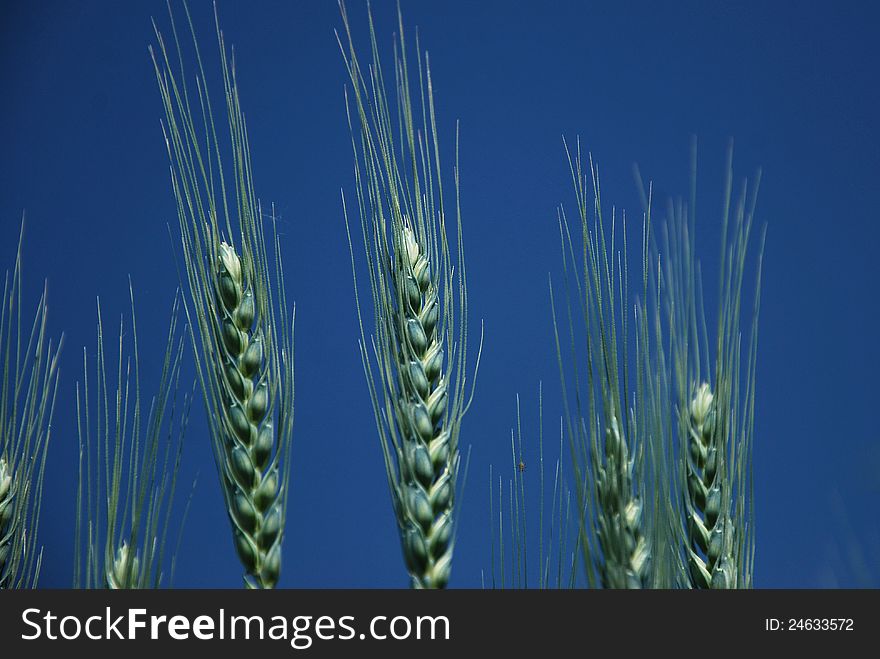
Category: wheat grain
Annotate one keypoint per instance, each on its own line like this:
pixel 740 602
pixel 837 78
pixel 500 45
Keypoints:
pixel 416 371
pixel 241 333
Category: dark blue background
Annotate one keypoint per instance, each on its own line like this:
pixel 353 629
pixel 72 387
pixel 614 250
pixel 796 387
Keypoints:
pixel 794 82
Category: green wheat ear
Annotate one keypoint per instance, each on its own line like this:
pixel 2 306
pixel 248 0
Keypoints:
pixel 416 370
pixel 710 558
pixel 28 387
pixel 616 431
pixel 241 325
pixel 714 392
pixel 129 462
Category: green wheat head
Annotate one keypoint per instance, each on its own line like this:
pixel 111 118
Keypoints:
pixel 128 464
pixel 242 328
pixel 616 433
pixel 416 368
pixel 713 391
pixel 27 402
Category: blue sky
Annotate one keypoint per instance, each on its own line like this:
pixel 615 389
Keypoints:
pixel 794 83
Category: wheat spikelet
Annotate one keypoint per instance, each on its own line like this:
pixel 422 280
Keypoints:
pixel 241 333
pixel 28 387
pixel 129 464
pixel 416 378
pixel 124 571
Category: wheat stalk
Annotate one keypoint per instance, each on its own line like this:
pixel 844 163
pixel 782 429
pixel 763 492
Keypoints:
pixel 129 463
pixel 28 387
pixel 241 333
pixel 416 373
